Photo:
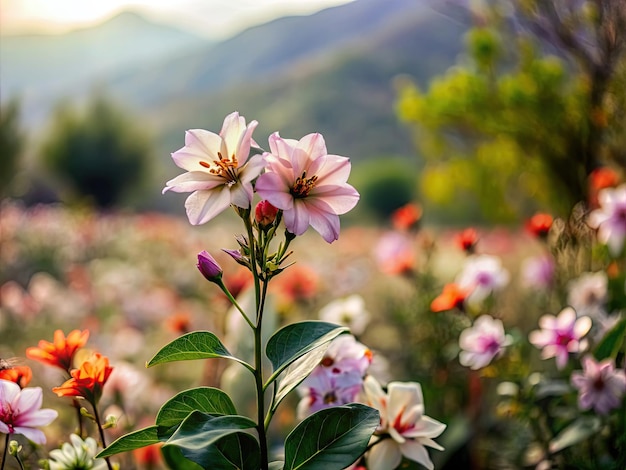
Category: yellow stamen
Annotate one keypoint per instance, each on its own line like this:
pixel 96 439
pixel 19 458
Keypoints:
pixel 224 167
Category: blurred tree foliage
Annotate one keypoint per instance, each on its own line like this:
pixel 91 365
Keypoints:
pixel 100 154
pixel 514 129
pixel 11 143
pixel 385 184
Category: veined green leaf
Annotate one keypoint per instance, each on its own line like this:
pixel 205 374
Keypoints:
pixel 206 399
pixel 293 341
pixel 194 345
pixel 331 438
pixel 134 440
pixel 297 372
pixel 217 442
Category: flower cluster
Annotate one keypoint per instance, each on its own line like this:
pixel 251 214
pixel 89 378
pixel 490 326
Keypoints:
pixel 299 178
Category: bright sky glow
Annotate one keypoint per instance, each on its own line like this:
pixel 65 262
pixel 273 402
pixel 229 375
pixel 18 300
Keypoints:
pixel 211 18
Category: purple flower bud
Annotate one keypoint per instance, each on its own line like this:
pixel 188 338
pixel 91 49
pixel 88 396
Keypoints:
pixel 209 267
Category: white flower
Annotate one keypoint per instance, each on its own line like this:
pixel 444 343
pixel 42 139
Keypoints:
pixel 218 170
pixel 482 275
pixel 610 218
pixel 77 456
pixel 349 312
pixel 482 342
pixel 402 418
pixel 588 293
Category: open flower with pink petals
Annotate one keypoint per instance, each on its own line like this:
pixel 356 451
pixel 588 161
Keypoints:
pixel 560 335
pixel 610 218
pixel 219 172
pixel 21 413
pixel 307 184
pixel 482 342
pixel 402 418
pixel 482 275
pixel 600 386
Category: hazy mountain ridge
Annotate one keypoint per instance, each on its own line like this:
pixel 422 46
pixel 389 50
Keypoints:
pixel 36 65
pixel 328 72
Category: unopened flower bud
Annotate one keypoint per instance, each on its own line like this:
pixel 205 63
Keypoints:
pixel 14 448
pixel 209 267
pixel 265 214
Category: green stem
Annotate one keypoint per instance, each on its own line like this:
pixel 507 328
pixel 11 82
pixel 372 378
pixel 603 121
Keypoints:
pixel 234 302
pixel 258 344
pixel 101 431
pixel 4 453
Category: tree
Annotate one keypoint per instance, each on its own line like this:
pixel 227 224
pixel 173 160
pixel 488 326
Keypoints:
pixel 11 143
pixel 516 128
pixel 100 154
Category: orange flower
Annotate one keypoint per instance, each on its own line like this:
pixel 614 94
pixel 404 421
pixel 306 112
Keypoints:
pixel 179 323
pixel 451 297
pixel 60 352
pixel 539 224
pixel 467 239
pixel 406 217
pixel 88 381
pixel 20 375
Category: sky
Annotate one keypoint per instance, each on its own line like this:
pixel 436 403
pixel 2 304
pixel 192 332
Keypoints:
pixel 215 19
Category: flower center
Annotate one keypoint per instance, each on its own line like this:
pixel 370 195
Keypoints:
pixel 330 398
pixel 563 339
pixel 224 167
pixel 303 186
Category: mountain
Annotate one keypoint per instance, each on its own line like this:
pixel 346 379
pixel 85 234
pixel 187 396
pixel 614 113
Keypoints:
pixel 331 72
pixel 41 68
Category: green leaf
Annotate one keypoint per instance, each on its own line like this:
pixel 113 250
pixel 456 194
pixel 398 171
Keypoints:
pixel 174 459
pixel 206 399
pixel 612 341
pixel 331 438
pixel 297 372
pixel 581 429
pixel 194 345
pixel 206 440
pixel 295 340
pixel 134 440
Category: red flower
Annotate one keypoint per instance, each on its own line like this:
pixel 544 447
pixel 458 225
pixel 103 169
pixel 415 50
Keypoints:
pixel 467 239
pixel 601 178
pixel 60 352
pixel 406 217
pixel 451 297
pixel 539 225
pixel 88 381
pixel 20 375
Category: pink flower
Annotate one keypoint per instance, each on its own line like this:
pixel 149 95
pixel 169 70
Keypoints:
pixel 560 335
pixel 538 272
pixel 599 385
pixel 307 184
pixel 322 389
pixel 482 274
pixel 345 353
pixel 402 418
pixel 482 342
pixel 218 170
pixel 610 218
pixel 20 411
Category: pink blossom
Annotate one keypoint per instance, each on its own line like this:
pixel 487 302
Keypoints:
pixel 307 184
pixel 482 342
pixel 21 413
pixel 402 418
pixel 345 353
pixel 538 272
pixel 218 170
pixel 322 389
pixel 610 218
pixel 560 335
pixel 482 274
pixel 600 386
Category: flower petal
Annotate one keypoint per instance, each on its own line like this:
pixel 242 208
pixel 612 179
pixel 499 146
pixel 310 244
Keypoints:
pixel 202 206
pixel 385 455
pixel 417 452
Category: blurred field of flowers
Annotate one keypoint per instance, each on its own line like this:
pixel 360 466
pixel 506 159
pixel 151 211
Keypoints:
pixel 408 291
